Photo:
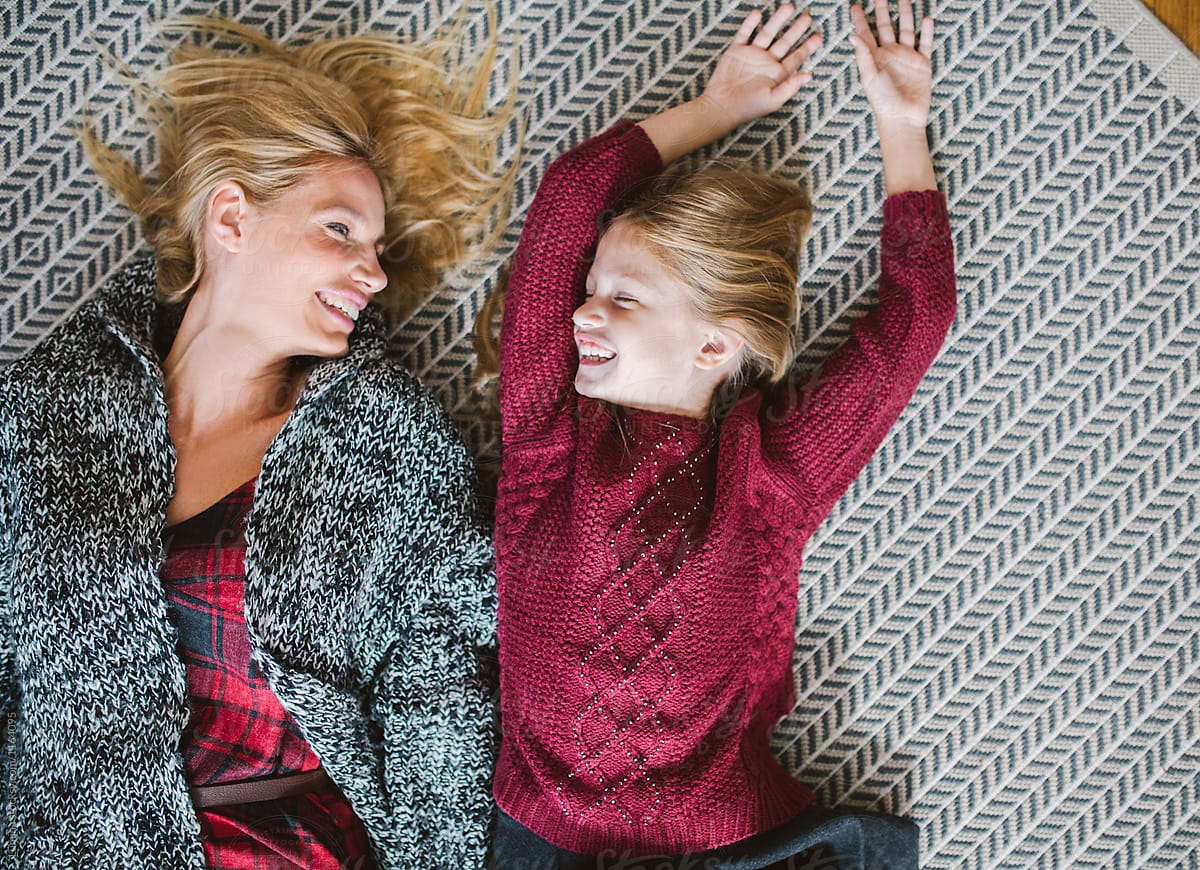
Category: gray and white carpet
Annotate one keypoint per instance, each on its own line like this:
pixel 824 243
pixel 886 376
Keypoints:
pixel 999 629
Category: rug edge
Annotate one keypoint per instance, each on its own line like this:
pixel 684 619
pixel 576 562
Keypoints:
pixel 1173 63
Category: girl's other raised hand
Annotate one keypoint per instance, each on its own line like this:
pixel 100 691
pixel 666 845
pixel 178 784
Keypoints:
pixel 760 71
pixel 896 70
pixel 755 75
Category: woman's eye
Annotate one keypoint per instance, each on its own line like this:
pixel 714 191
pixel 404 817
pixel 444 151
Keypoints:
pixel 626 300
pixel 340 228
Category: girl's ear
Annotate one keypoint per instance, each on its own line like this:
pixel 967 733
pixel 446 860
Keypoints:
pixel 722 345
pixel 225 222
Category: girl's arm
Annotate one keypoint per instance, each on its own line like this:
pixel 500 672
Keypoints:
pixel 537 347
pixel 757 74
pixel 824 431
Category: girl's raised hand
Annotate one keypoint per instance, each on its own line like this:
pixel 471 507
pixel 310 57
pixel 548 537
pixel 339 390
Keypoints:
pixel 896 72
pixel 760 72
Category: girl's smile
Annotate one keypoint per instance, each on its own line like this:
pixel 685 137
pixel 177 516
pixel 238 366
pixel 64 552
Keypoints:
pixel 591 351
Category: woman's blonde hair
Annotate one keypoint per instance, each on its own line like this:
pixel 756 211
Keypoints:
pixel 265 115
pixel 733 237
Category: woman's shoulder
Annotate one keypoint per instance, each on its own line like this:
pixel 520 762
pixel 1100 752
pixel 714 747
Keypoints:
pixel 77 343
pixel 86 343
pixel 386 404
pixel 386 376
pixel 386 383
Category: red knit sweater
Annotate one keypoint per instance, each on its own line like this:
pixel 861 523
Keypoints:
pixel 648 572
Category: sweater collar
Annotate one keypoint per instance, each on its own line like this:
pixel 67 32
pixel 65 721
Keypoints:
pixel 129 306
pixel 650 426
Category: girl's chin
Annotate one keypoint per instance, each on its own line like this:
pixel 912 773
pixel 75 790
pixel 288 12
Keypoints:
pixel 592 388
pixel 584 387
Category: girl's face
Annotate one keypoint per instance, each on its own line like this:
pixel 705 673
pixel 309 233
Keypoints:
pixel 641 343
pixel 309 262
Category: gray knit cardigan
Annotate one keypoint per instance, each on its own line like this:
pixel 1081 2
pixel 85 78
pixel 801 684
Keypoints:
pixel 368 597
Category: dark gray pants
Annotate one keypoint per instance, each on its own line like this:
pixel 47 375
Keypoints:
pixel 817 839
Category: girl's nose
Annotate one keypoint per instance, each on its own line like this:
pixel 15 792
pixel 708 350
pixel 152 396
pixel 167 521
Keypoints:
pixel 590 313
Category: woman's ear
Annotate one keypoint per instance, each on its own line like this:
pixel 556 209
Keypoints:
pixel 225 222
pixel 721 345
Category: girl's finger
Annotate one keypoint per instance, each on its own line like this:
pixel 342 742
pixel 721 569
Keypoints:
pixel 784 44
pixel 793 61
pixel 862 29
pixel 883 23
pixel 748 24
pixel 862 54
pixel 907 36
pixel 927 37
pixel 789 87
pixel 774 24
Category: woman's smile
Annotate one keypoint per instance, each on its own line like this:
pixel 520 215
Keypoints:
pixel 343 304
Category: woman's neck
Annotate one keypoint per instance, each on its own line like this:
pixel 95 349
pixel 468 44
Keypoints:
pixel 218 373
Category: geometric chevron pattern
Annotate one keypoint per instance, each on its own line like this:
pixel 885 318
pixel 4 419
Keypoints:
pixel 999 624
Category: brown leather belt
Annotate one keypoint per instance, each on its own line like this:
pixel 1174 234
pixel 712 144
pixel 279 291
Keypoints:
pixel 271 788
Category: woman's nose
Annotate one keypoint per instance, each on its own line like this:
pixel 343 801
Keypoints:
pixel 369 274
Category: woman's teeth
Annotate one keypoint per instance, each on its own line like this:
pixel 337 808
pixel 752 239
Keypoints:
pixel 596 355
pixel 344 307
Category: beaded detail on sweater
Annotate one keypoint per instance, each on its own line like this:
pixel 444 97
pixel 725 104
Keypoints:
pixel 630 670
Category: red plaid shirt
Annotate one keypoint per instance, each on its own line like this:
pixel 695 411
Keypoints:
pixel 237 729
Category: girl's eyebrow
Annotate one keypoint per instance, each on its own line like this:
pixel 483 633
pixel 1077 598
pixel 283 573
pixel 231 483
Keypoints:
pixel 638 277
pixel 623 275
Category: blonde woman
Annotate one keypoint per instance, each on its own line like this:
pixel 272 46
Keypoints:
pixel 245 602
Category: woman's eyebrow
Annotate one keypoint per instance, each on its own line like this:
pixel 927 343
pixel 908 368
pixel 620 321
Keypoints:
pixel 357 217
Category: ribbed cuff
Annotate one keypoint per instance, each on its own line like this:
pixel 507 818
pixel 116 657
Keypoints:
pixel 775 800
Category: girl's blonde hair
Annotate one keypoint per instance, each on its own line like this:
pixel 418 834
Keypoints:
pixel 733 237
pixel 265 115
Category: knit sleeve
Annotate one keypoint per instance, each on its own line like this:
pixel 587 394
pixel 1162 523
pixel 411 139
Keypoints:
pixel 8 685
pixel 432 693
pixel 821 434
pixel 537 348
pixel 434 702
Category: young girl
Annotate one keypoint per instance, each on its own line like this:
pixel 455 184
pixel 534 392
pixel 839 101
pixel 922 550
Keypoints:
pixel 649 532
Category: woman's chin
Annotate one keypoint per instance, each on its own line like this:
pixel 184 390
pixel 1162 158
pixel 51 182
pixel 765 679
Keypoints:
pixel 328 345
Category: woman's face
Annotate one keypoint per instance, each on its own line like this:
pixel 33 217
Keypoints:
pixel 309 262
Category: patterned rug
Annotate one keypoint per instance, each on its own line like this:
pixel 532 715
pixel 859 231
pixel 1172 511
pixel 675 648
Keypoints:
pixel 999 632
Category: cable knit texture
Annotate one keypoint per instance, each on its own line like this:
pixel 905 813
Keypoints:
pixel 648 570
pixel 368 601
